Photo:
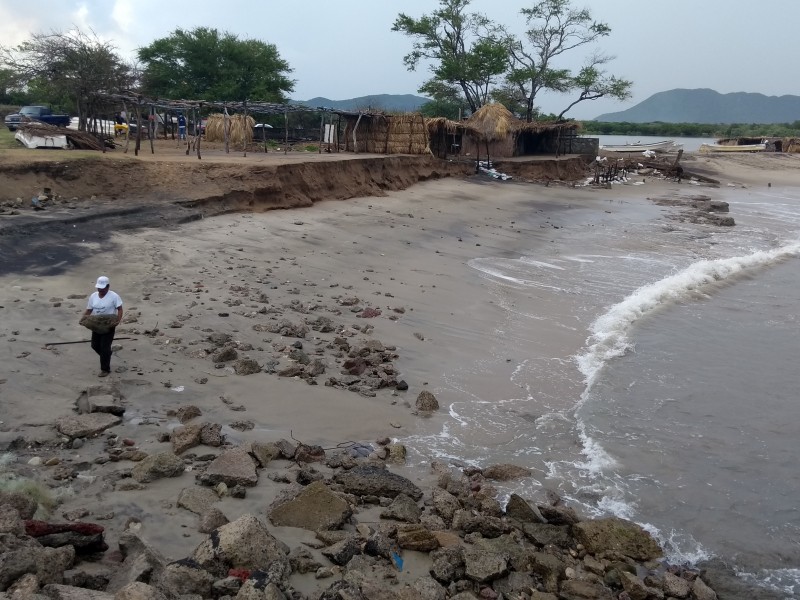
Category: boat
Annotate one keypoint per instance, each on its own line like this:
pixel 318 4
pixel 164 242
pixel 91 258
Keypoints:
pixel 663 146
pixel 31 140
pixel 704 148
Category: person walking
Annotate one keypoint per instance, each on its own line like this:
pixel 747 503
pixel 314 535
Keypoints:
pixel 104 302
pixel 181 126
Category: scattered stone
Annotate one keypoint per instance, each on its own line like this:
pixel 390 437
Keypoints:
pixel 156 466
pixel 79 426
pixel 211 519
pixel 233 467
pixel 427 402
pixel 314 508
pixel 196 499
pixel 371 480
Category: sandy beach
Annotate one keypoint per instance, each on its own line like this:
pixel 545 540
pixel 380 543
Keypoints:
pixel 280 291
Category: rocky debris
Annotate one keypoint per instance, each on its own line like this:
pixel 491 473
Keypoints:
pixel 246 366
pixel 315 508
pixel 187 412
pixel 25 505
pixel 471 547
pixel 505 472
pixel 185 437
pixel 87 425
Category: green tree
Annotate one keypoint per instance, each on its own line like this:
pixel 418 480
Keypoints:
pixel 67 69
pixel 466 51
pixel 554 27
pixel 204 63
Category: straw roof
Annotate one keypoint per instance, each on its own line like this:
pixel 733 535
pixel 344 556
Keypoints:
pixel 493 122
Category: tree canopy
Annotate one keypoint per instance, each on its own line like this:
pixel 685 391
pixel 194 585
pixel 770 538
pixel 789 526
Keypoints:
pixel 205 63
pixel 466 51
pixel 470 53
pixel 66 68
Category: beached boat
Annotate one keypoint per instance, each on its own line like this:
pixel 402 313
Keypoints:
pixel 32 140
pixel 663 146
pixel 740 148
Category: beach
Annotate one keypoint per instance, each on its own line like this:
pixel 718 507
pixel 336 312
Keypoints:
pixel 423 280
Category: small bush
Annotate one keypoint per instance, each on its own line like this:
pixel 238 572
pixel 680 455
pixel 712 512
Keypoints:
pixel 312 148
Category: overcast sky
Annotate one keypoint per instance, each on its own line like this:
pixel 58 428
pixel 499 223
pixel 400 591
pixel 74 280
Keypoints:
pixel 345 48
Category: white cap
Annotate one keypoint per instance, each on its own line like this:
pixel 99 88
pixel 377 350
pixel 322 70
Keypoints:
pixel 102 282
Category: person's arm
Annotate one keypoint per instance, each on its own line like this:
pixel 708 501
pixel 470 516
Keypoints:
pixel 119 316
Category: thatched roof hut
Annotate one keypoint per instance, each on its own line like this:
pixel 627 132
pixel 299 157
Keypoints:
pixel 493 122
pixel 386 134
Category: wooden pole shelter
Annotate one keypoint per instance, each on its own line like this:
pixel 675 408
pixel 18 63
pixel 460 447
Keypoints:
pixel 199 124
pixel 338 129
pixel 285 131
pixel 321 131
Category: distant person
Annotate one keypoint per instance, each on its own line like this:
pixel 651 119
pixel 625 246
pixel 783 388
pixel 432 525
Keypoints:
pixel 181 126
pixel 120 120
pixel 104 302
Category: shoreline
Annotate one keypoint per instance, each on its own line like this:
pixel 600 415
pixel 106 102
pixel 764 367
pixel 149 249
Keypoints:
pixel 402 254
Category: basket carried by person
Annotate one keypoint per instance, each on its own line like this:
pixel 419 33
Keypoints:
pixel 99 323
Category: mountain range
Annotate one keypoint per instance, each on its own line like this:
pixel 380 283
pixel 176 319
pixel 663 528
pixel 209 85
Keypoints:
pixel 708 106
pixel 378 102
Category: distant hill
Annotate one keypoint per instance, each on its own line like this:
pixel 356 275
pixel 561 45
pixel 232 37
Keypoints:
pixel 384 102
pixel 708 106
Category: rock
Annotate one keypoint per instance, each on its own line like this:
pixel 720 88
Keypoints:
pixel 10 521
pixel 187 412
pixel 287 448
pixel 303 561
pixel 675 586
pixel 307 476
pixel 401 386
pixel 78 426
pixel 700 591
pixel 185 577
pixel 402 508
pixel 550 568
pixel 482 565
pixel 427 588
pixel 67 592
pixel 396 454
pixel 185 437
pixel 156 466
pixel 142 563
pixel 308 454
pixel 315 508
pixel 489 527
pixel 257 588
pixel 24 504
pixel 246 366
pixel 559 514
pixel 197 499
pixel 26 587
pixel 226 354
pixel 264 452
pixel 139 591
pixel 504 472
pixel 543 534
pixel 285 328
pixel 577 589
pixel 106 403
pixel 427 402
pixel 234 467
pixel 211 435
pixel 616 538
pixel 243 544
pixel 416 537
pixel 83 537
pixel 341 552
pixel 366 480
pixel 517 508
pixel 445 504
pixel 448 564
pixel 514 583
pixel 211 519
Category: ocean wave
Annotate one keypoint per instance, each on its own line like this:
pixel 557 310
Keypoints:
pixel 609 333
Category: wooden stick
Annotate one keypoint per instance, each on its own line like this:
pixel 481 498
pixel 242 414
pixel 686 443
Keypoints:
pixel 128 128
pixel 225 127
pixel 355 142
pixel 153 128
pixel 285 130
pixel 81 342
pixel 138 129
pixel 244 129
pixel 321 131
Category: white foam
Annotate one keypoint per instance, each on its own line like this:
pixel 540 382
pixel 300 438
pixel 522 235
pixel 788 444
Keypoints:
pixel 609 333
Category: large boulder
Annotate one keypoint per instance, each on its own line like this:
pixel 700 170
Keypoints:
pixel 482 565
pixel 506 472
pixel 402 508
pixel 197 499
pixel 367 480
pixel 185 437
pixel 156 466
pixel 517 508
pixel 616 538
pixel 315 508
pixel 184 577
pixel 234 467
pixel 246 543
pixel 427 402
pixel 142 563
pixel 445 504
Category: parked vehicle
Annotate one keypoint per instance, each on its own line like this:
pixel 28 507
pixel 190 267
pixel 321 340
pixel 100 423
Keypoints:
pixel 35 113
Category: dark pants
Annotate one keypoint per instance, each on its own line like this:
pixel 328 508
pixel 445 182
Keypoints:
pixel 101 343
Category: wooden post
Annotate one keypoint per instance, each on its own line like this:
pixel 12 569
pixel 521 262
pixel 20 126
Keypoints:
pixel 321 131
pixel 153 128
pixel 425 133
pixel 355 127
pixel 338 129
pixel 138 128
pixel 225 126
pixel 128 128
pixel 244 129
pixel 386 141
pixel 199 130
pixel 285 130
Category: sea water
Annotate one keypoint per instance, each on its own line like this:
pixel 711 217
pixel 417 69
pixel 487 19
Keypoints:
pixel 652 376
